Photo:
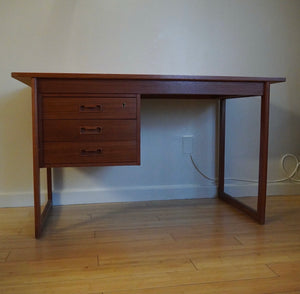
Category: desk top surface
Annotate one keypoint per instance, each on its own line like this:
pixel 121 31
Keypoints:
pixel 26 77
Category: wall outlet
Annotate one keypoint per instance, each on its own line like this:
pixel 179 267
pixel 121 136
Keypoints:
pixel 187 144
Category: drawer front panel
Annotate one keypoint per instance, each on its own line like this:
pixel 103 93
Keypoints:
pixel 89 130
pixel 88 108
pixel 104 152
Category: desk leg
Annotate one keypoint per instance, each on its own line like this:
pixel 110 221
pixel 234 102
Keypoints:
pixel 49 183
pixel 37 201
pixel 222 113
pixel 221 193
pixel 259 214
pixel 263 154
pixel 41 216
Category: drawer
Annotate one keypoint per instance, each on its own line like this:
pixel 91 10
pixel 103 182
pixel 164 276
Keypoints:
pixel 89 130
pixel 88 108
pixel 64 153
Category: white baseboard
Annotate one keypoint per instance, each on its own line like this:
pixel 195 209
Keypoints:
pixel 17 199
pixel 138 193
pixel 144 193
pixel 272 189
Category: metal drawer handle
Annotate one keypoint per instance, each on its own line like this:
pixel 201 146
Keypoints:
pixel 86 152
pixel 90 108
pixel 90 130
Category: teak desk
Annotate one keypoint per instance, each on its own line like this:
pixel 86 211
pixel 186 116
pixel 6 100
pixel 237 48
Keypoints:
pixel 94 120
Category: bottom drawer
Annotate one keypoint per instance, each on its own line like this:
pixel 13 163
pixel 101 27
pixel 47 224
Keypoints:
pixel 72 153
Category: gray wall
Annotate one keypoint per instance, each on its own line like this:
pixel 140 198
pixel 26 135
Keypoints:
pixel 203 37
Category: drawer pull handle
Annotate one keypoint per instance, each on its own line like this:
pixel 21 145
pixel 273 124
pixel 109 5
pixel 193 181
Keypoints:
pixel 90 130
pixel 86 152
pixel 90 108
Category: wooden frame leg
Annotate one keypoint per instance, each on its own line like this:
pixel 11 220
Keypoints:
pixel 222 114
pixel 37 201
pixel 221 193
pixel 259 214
pixel 263 154
pixel 41 216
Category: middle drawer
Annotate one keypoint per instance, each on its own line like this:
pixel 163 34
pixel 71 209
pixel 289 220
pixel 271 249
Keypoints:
pixel 88 130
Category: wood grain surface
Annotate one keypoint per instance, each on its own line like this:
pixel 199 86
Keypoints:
pixel 157 247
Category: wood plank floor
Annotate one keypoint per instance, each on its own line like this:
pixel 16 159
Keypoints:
pixel 158 247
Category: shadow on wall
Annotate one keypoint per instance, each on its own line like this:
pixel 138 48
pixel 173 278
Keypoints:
pixel 284 134
pixel 242 137
pixel 164 122
pixel 16 141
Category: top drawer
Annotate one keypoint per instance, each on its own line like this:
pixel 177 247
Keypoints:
pixel 88 108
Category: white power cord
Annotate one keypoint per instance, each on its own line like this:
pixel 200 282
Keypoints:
pixel 289 176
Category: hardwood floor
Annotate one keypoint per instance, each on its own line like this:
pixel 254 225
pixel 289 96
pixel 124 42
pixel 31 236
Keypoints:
pixel 159 247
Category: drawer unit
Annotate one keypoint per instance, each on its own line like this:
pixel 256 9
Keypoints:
pixel 89 130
